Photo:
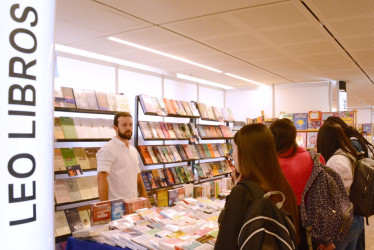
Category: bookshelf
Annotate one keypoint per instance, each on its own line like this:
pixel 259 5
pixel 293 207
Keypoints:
pixel 79 191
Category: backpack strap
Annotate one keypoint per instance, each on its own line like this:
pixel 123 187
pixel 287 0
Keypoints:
pixel 253 188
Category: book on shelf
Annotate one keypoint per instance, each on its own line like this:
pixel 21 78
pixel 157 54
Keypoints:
pixel 69 97
pixel 162 198
pixel 59 163
pixel 175 107
pixel 300 121
pixel 169 176
pixel 122 103
pixel 146 103
pixel 193 108
pixel 156 177
pixel 179 174
pixel 188 151
pixel 151 179
pixel 182 173
pixel 177 131
pixel 171 131
pixel 80 98
pixel 231 115
pixel 73 189
pixel 84 215
pixel 207 151
pixel 301 139
pixel 188 172
pixel 61 191
pixel 69 157
pixel 210 113
pixel 91 156
pixel 165 130
pixel 163 180
pixel 117 209
pixel 91 99
pixel 199 171
pixel 144 128
pixel 183 130
pixel 202 110
pixel 206 169
pixel 314 119
pixel 220 149
pixel 82 127
pixel 74 170
pixel 215 150
pixel 200 150
pixel 153 128
pixel 93 183
pixel 195 152
pixel 226 131
pixel 211 151
pixel 85 189
pixel 175 175
pixel 172 197
pixel 219 131
pixel 101 212
pixel 72 216
pixel 311 140
pixel 67 124
pixel 144 153
pixel 61 224
pixel 58 132
pixel 169 106
pixel 218 114
pixel 187 108
pixel 153 156
pixel 102 101
pixel 81 158
pixel 146 182
pixel 182 111
pixel 160 133
pixel 59 98
pixel 111 98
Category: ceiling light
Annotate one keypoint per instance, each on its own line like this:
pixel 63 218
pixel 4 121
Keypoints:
pixel 244 79
pixel 84 53
pixel 162 54
pixel 194 79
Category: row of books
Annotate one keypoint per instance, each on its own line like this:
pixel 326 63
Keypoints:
pixel 190 224
pixel 75 189
pixel 307 139
pixel 315 119
pixel 75 219
pixel 215 114
pixel 165 106
pixel 90 99
pixel 214 131
pixel 182 152
pixel 167 130
pixel 82 128
pixel 211 169
pixel 65 157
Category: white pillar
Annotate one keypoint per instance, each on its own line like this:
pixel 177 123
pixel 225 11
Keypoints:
pixel 26 124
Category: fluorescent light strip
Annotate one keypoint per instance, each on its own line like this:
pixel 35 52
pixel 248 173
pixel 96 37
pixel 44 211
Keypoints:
pixel 163 54
pixel 84 53
pixel 194 79
pixel 244 79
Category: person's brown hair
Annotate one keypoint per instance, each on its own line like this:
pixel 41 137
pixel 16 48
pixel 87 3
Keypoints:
pixel 351 132
pixel 284 132
pixel 330 138
pixel 118 115
pixel 258 162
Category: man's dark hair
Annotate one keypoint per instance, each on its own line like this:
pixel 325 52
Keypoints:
pixel 120 114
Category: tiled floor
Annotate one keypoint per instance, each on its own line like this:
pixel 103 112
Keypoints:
pixel 369 234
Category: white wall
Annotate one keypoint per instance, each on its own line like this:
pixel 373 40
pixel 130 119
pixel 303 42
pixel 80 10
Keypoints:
pixel 248 102
pixel 301 97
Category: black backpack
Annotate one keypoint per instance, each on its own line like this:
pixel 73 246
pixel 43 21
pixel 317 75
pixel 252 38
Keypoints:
pixel 266 225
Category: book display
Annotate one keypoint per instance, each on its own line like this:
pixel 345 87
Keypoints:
pixel 77 140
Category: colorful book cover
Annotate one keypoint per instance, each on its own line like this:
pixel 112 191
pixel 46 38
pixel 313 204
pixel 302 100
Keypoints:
pixel 175 175
pixel 326 115
pixel 165 130
pixel 188 173
pixel 102 101
pixel 156 177
pixel 59 163
pixel 81 158
pixel 58 132
pixel 169 176
pixel 314 119
pixel 207 151
pixel 118 209
pixel 146 182
pixel 151 179
pixel 193 108
pixel 101 212
pixel 169 106
pixel 162 198
pixel 163 180
pixel 153 156
pixel 145 130
pixel 187 108
pixel 199 171
pixel 181 177
pixel 144 153
pixel 67 124
pixel 146 104
pixel 300 121
pixel 69 157
pixel 172 197
pixel 312 140
pixel 347 117
pixel 301 139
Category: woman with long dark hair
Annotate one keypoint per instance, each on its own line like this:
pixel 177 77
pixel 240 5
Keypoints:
pixel 340 155
pixel 256 160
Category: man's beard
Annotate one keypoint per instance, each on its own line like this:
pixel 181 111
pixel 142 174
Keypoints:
pixel 127 135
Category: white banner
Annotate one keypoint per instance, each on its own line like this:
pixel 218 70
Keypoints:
pixel 26 124
pixel 343 106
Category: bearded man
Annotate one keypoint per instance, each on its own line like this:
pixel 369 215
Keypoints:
pixel 118 172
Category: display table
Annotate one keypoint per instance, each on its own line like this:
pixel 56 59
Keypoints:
pixel 77 244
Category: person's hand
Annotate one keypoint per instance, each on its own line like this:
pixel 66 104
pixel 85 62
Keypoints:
pixel 236 176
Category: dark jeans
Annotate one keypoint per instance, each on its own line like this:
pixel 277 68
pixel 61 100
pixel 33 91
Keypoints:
pixel 350 241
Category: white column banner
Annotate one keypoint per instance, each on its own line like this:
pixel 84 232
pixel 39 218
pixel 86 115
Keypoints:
pixel 26 124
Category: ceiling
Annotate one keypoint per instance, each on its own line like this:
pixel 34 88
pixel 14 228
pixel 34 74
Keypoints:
pixel 268 41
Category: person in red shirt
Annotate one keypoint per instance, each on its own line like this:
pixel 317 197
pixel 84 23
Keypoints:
pixel 295 162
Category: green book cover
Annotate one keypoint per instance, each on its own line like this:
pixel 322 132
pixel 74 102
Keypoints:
pixel 69 157
pixel 206 151
pixel 180 175
pixel 68 127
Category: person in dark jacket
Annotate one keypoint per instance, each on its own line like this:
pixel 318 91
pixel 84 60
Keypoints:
pixel 256 160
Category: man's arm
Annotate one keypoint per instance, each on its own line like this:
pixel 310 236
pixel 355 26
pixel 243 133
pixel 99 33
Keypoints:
pixel 102 185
